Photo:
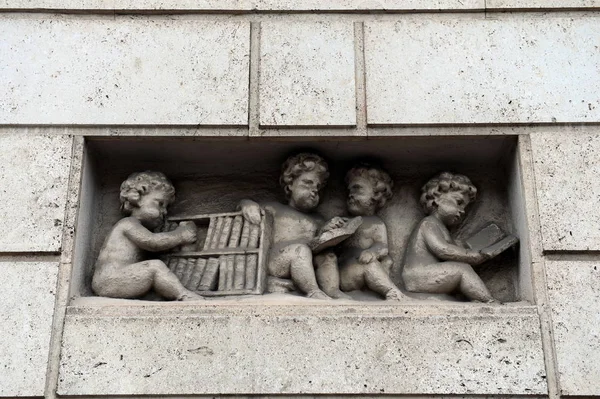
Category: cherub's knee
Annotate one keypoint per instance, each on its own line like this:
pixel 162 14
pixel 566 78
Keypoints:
pixel 158 266
pixel 327 257
pixel 301 251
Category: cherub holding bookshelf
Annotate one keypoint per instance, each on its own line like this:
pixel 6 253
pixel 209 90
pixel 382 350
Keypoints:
pixel 121 270
pixel 294 224
pixel 433 262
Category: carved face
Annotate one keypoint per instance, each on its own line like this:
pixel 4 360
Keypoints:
pixel 152 209
pixel 361 195
pixel 305 191
pixel 451 207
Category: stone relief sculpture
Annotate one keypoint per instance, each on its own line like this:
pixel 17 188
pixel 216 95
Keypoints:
pixel 121 270
pixel 227 259
pixel 434 262
pixel 364 259
pixel 295 226
pixel 283 247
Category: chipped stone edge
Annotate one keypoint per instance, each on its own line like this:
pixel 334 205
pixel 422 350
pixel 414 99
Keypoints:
pixel 538 266
pixel 65 265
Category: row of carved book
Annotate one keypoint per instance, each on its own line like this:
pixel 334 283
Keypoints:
pixel 225 273
pixel 226 259
pixel 225 231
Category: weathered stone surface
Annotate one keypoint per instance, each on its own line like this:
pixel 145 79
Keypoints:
pixel 449 68
pixel 307 74
pixel 574 294
pixel 28 290
pixel 245 5
pixel 567 169
pixel 123 70
pixel 275 349
pixel 542 4
pixel 34 173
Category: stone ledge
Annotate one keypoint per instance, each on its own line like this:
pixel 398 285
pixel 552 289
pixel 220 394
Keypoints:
pixel 244 6
pixel 253 6
pixel 320 349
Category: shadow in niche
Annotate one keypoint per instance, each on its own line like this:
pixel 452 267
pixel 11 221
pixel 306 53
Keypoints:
pixel 213 176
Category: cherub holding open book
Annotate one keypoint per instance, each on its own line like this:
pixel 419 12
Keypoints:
pixel 434 263
pixel 122 269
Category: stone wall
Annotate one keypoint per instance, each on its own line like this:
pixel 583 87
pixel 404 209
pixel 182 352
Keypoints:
pixel 93 86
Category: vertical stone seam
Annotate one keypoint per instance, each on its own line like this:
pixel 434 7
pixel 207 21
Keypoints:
pixel 360 79
pixel 254 81
pixel 538 275
pixel 65 265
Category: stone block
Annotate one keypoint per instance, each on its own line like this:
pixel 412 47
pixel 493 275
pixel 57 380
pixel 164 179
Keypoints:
pixel 567 168
pixel 245 6
pixel 123 70
pixel 313 349
pixel 28 291
pixel 542 4
pixel 307 74
pixel 34 174
pixel 468 68
pixel 574 296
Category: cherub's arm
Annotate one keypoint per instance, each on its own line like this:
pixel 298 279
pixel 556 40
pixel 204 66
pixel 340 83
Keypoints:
pixel 250 210
pixel 334 223
pixel 154 242
pixel 444 250
pixel 380 240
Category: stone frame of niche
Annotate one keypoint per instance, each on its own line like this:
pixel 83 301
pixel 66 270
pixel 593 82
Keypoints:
pixel 198 171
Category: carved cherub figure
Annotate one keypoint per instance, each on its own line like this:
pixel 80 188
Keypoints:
pixel 434 263
pixel 121 270
pixel 294 224
pixel 364 259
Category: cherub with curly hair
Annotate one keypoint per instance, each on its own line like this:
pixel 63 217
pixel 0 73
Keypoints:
pixel 294 225
pixel 121 270
pixel 364 259
pixel 433 262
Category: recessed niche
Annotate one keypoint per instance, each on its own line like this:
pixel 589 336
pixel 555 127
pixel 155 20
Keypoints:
pixel 212 176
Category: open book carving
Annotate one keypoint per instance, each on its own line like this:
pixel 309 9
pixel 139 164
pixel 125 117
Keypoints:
pixel 491 241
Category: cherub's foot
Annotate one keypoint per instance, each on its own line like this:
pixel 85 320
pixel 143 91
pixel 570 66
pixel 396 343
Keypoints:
pixel 395 295
pixel 493 301
pixel 317 294
pixel 339 295
pixel 190 296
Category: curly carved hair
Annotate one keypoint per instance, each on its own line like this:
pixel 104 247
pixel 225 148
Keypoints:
pixel 443 183
pixel 304 162
pixel 139 184
pixel 381 181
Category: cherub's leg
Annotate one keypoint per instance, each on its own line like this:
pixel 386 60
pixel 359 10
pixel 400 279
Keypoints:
pixel 168 285
pixel 447 277
pixel 328 276
pixel 352 275
pixel 474 288
pixel 378 280
pixel 135 280
pixel 295 261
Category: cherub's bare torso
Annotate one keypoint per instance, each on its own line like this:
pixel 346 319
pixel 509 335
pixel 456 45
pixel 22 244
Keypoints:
pixel 118 250
pixel 418 253
pixel 291 226
pixel 372 231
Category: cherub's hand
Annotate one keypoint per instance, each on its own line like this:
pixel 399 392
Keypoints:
pixel 367 256
pixel 479 258
pixel 334 223
pixel 251 211
pixel 187 232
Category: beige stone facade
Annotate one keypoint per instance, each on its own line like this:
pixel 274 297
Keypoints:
pixel 509 87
